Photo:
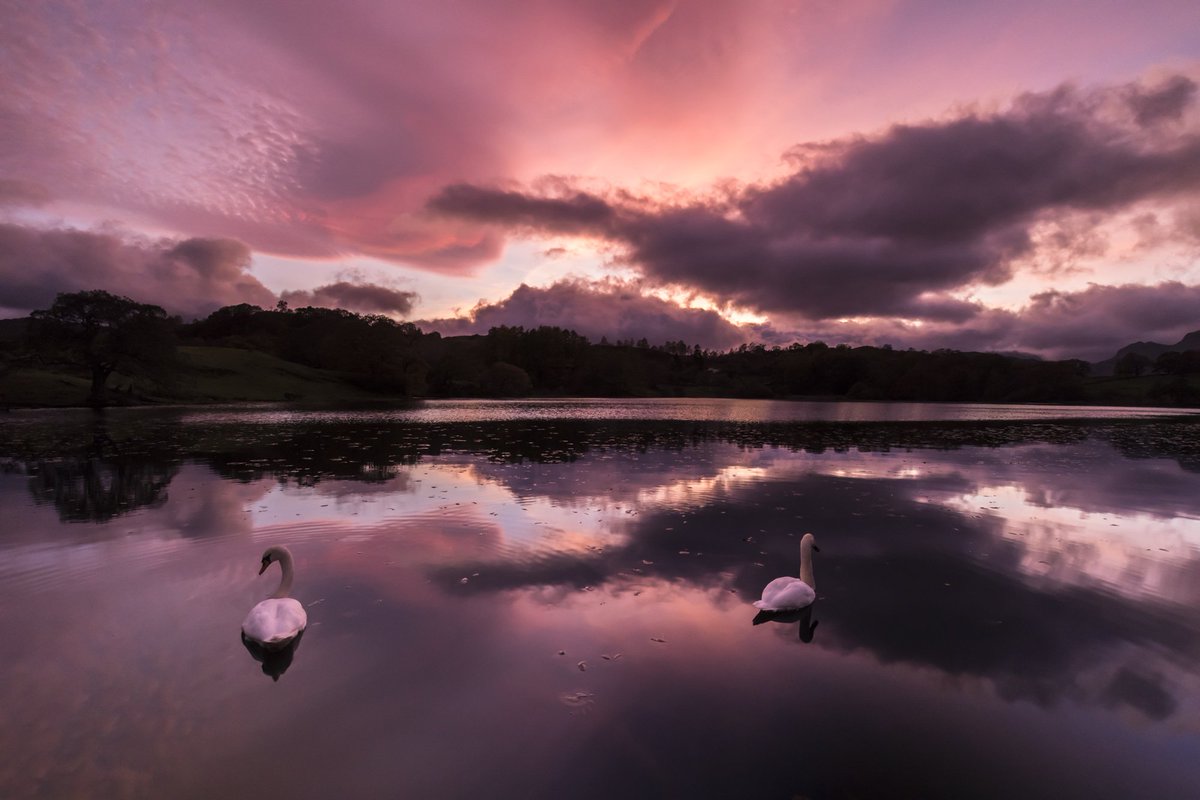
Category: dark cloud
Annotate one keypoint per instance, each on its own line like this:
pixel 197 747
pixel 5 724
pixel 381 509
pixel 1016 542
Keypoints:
pixel 189 277
pixel 368 298
pixel 1091 324
pixel 598 309
pixel 1145 693
pixel 1167 101
pixel 1098 321
pixel 874 226
pixel 574 211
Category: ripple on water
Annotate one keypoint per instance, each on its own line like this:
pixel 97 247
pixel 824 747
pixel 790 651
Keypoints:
pixel 689 409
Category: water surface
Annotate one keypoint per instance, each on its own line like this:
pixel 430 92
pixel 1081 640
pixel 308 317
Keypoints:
pixel 553 599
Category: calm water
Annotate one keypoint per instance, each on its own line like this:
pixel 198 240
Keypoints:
pixel 554 600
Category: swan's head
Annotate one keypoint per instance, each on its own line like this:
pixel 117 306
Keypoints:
pixel 272 554
pixel 808 540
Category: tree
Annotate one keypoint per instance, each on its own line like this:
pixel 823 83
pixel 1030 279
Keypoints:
pixel 103 333
pixel 505 380
pixel 1177 363
pixel 1132 365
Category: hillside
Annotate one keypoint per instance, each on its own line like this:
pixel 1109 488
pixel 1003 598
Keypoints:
pixel 203 375
pixel 248 354
pixel 1150 350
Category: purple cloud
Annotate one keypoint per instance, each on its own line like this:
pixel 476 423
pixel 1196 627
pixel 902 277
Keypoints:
pixel 1091 324
pixel 366 298
pixel 1166 101
pixel 875 226
pixel 610 309
pixel 1094 323
pixel 191 277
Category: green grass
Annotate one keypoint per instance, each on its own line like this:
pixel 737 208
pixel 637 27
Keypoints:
pixel 219 374
pixel 226 374
pixel 203 375
pixel 41 388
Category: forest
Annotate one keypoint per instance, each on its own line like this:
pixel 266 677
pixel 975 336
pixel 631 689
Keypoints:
pixel 98 335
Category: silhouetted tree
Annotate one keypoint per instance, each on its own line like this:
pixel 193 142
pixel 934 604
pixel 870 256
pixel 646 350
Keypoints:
pixel 505 380
pixel 1131 365
pixel 1178 363
pixel 103 333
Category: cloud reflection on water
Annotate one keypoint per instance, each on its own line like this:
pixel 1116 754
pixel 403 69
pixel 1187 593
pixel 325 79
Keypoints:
pixel 452 575
pixel 994 577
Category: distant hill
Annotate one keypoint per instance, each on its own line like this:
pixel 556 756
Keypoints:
pixel 1150 350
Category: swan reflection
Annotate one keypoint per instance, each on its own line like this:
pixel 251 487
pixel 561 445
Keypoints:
pixel 274 662
pixel 807 627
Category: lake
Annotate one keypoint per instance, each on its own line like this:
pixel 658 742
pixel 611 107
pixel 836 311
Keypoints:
pixel 554 599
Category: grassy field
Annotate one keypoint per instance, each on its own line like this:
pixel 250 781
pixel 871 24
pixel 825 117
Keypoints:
pixel 204 375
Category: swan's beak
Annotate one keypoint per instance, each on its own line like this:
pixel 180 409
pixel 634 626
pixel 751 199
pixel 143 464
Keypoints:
pixel 264 566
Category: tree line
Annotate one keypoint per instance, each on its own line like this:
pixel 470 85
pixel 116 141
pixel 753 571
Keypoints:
pixel 99 333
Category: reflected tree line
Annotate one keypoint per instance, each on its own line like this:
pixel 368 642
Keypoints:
pixel 933 600
pixel 95 468
pixel 97 480
pixel 98 334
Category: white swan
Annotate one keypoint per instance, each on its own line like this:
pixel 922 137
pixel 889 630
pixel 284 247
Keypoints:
pixel 279 619
pixel 788 593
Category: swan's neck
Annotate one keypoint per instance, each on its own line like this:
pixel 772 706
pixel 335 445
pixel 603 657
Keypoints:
pixel 806 564
pixel 285 583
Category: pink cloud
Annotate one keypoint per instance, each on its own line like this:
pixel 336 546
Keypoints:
pixel 22 193
pixel 611 309
pixel 320 130
pixel 876 226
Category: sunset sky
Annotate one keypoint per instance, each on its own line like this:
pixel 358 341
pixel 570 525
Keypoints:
pixel 1018 176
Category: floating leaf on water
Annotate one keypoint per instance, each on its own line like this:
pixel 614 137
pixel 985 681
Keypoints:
pixel 581 701
pixel 463 580
pixel 656 639
pixel 582 666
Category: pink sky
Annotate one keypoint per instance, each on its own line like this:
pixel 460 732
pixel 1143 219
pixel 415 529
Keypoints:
pixel 1016 176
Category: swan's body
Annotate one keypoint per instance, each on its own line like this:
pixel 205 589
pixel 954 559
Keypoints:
pixel 276 621
pixel 788 593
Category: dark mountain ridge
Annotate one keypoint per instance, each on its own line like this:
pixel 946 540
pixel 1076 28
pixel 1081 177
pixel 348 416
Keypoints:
pixel 1150 350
